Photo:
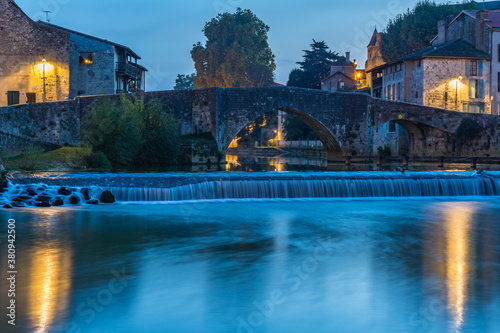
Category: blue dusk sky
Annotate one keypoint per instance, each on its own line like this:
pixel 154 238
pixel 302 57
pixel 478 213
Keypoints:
pixel 163 32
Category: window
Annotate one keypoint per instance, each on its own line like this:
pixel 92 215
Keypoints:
pixel 476 88
pixel 341 85
pixel 392 127
pixel 86 58
pixel 30 98
pixel 398 97
pixel 416 94
pixel 476 108
pixel 420 63
pixel 474 68
pixel 12 97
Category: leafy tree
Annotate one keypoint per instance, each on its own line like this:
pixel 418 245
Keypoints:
pixel 314 68
pixel 160 131
pixel 131 132
pixel 113 129
pixel 297 130
pixel 236 53
pixel 184 81
pixel 413 30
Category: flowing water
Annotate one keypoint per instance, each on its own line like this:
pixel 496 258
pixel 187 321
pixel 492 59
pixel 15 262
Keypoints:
pixel 319 252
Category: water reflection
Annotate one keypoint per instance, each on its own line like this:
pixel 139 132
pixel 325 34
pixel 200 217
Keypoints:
pixel 51 265
pixel 458 226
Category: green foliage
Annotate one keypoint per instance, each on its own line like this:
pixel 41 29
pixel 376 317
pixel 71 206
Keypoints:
pixel 236 53
pixel 314 68
pixel 297 130
pixel 413 30
pixel 184 82
pixel 98 160
pixel 386 151
pixel 31 158
pixel 113 129
pixel 467 130
pixel 130 132
pixel 160 132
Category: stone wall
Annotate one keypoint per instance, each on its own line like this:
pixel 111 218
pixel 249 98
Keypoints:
pixel 97 78
pixel 442 85
pixel 346 123
pixel 24 45
pixel 52 124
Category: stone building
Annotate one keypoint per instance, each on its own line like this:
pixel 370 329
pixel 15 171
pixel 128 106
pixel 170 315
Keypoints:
pixel 454 76
pixel 41 62
pixel 482 29
pixel 374 56
pixel 344 76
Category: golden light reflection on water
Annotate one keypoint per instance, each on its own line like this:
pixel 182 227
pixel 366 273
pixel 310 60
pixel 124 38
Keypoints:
pixel 50 281
pixel 458 226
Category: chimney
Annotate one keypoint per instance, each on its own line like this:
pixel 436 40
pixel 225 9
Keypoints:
pixel 348 56
pixel 441 38
pixel 482 16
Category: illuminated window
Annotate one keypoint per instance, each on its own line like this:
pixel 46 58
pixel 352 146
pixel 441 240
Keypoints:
pixel 86 58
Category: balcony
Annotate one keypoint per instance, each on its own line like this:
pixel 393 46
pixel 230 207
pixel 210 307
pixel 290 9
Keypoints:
pixel 126 69
pixel 377 82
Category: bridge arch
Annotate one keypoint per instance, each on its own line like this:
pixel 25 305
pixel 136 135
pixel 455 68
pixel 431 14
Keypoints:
pixel 330 141
pixel 425 140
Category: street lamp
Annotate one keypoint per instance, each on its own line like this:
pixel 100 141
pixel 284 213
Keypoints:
pixel 456 91
pixel 43 78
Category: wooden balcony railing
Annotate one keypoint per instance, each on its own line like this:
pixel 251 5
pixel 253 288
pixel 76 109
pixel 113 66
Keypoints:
pixel 126 68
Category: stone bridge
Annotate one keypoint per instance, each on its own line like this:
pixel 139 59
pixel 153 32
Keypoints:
pixel 346 123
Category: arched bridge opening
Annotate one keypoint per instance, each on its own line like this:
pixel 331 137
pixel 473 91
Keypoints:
pixel 330 142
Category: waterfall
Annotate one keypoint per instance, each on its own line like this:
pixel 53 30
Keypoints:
pixel 338 188
pixel 222 186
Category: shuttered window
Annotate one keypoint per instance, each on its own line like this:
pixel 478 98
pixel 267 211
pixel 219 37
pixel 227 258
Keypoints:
pixel 12 97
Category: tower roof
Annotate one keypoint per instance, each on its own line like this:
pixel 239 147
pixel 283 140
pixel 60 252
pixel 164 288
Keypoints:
pixel 373 41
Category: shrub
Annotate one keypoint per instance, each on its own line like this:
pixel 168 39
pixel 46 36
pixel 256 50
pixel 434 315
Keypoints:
pixel 113 129
pixel 467 130
pixel 160 135
pixel 131 132
pixel 386 151
pixel 31 158
pixel 98 160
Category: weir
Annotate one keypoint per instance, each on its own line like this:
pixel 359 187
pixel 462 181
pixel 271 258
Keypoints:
pixel 219 186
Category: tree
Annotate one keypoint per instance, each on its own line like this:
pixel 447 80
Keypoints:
pixel 236 53
pixel 113 129
pixel 131 132
pixel 314 68
pixel 184 82
pixel 297 130
pixel 413 30
pixel 160 131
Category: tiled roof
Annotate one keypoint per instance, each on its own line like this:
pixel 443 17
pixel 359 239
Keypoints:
pixel 457 48
pixel 135 55
pixel 335 74
pixel 342 61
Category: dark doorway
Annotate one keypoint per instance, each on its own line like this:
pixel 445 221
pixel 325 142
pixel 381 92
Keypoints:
pixel 30 98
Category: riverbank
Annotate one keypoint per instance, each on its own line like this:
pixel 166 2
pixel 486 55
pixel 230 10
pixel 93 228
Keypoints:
pixel 64 159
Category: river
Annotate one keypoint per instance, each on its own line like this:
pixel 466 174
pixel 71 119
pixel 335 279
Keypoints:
pixel 289 252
